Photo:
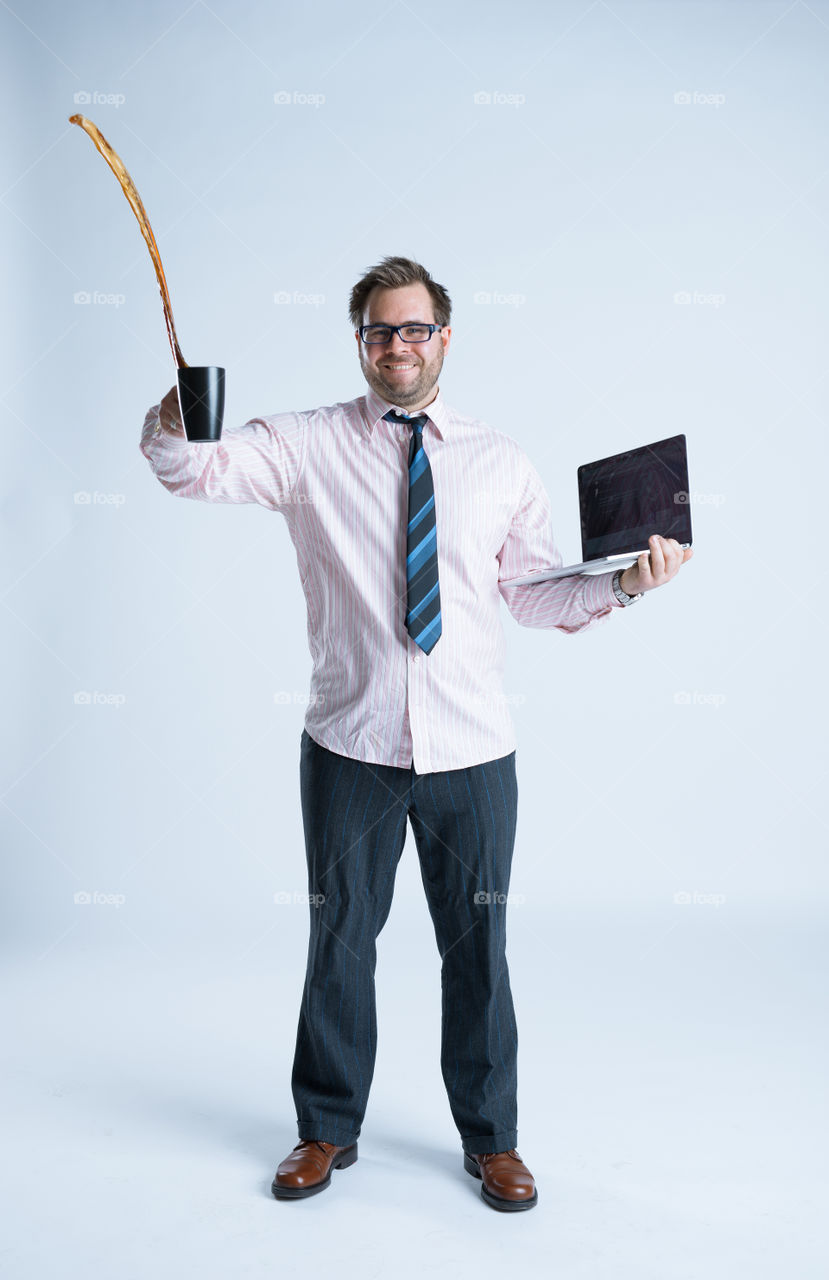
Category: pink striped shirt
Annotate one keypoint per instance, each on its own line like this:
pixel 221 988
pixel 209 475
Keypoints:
pixel 339 476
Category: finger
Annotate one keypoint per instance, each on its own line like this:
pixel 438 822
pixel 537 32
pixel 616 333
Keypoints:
pixel 657 556
pixel 168 410
pixel 673 555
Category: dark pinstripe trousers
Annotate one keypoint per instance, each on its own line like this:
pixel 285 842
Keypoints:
pixel 354 817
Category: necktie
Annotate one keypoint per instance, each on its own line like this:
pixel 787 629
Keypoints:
pixel 422 589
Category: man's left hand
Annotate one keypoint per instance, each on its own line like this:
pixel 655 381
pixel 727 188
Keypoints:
pixel 656 568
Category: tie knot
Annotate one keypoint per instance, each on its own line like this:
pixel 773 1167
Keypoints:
pixel 415 422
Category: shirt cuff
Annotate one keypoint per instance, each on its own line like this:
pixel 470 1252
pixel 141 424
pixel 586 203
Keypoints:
pixel 599 595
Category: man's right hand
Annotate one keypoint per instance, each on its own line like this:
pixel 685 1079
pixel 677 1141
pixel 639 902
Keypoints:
pixel 169 414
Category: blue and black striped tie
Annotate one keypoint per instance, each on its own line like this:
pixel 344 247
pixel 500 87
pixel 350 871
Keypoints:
pixel 422 588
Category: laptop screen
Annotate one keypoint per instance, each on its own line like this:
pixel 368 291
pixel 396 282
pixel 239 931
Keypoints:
pixel 626 498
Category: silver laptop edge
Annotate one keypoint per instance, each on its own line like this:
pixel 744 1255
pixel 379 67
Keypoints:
pixel 590 567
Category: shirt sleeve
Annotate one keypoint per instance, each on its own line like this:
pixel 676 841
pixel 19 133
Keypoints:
pixel 257 462
pixel 566 604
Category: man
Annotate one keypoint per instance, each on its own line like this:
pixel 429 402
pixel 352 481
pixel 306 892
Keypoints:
pixel 407 517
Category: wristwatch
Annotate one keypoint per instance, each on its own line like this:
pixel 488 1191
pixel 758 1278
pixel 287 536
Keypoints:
pixel 620 594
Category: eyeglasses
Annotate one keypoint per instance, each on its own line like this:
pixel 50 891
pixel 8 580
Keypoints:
pixel 381 333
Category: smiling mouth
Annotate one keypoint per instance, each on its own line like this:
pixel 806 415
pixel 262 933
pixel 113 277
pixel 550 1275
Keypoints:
pixel 399 366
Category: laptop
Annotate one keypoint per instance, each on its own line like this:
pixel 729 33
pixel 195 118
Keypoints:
pixel 623 499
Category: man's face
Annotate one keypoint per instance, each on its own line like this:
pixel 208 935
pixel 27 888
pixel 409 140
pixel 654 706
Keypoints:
pixel 404 373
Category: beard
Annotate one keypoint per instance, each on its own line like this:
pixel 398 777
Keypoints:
pixel 414 388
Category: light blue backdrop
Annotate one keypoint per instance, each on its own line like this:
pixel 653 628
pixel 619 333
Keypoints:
pixel 628 204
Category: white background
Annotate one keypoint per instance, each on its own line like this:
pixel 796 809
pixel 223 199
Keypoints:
pixel 644 200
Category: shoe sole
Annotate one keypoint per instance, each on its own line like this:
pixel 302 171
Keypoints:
pixel 497 1202
pixel 342 1161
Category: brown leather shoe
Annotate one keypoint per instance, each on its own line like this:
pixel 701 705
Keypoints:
pixel 506 1183
pixel 307 1169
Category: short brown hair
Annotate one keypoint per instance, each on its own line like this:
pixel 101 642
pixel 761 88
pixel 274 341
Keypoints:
pixel 394 273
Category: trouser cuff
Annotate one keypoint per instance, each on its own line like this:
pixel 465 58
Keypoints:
pixel 498 1142
pixel 326 1133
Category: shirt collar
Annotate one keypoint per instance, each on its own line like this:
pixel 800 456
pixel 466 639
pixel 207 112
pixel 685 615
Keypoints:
pixel 376 407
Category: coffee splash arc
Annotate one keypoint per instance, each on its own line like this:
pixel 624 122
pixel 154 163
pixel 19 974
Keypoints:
pixel 129 189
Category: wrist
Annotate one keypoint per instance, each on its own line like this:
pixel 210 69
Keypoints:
pixel 626 595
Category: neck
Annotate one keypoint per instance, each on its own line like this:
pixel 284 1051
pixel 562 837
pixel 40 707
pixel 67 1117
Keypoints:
pixel 416 408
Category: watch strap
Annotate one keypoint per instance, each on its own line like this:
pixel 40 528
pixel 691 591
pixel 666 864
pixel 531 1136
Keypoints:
pixel 619 591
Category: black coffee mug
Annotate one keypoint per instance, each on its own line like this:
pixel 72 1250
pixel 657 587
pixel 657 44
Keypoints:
pixel 201 398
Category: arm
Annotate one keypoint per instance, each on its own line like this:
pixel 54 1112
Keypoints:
pixel 258 462
pixel 567 604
